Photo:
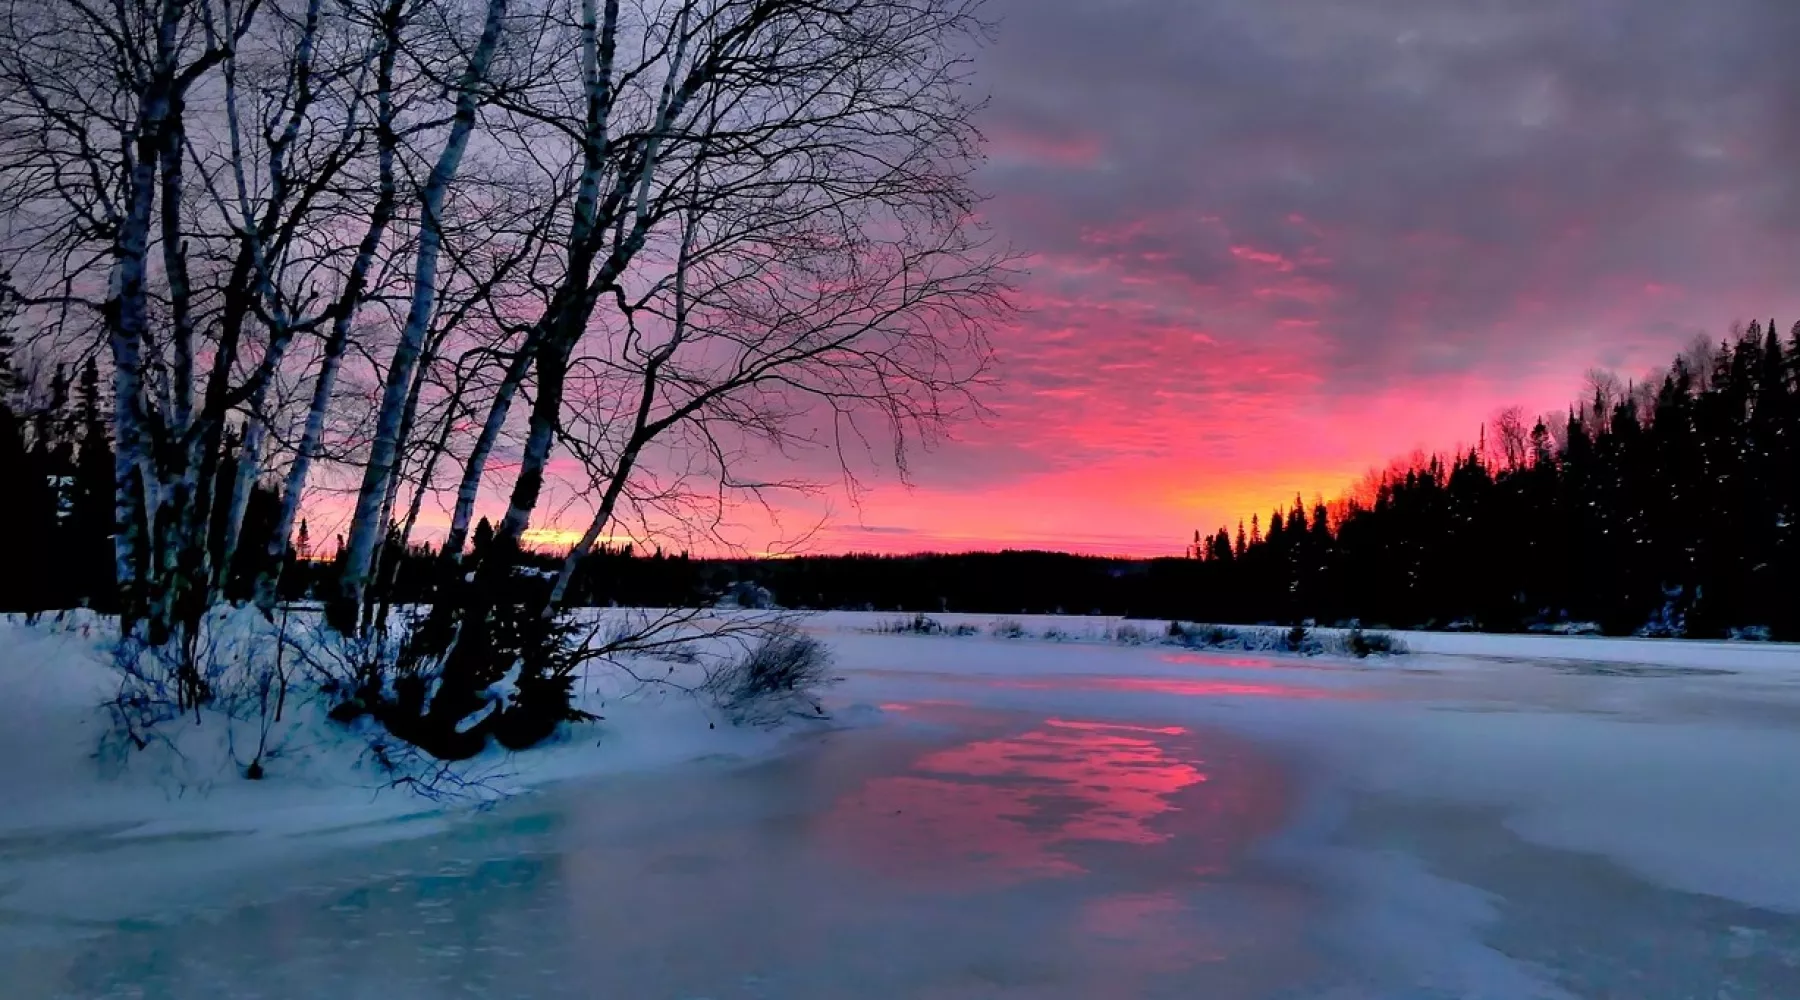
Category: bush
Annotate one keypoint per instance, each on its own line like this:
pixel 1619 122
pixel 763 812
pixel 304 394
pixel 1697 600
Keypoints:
pixel 1297 639
pixel 1208 636
pixel 921 624
pixel 775 678
pixel 449 681
pixel 918 624
pixel 1007 628
pixel 1131 635
pixel 1364 644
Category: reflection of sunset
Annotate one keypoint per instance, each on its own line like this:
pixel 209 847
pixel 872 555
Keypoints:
pixel 1116 779
pixel 1218 660
pixel 1175 686
pixel 1000 811
pixel 1178 686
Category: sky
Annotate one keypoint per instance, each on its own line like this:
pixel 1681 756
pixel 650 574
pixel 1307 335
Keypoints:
pixel 1270 245
pixel 1274 243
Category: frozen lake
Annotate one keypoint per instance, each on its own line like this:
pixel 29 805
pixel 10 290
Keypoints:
pixel 1032 819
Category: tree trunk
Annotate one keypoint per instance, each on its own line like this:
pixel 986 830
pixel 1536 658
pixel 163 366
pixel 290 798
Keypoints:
pixel 470 487
pixel 249 465
pixel 337 343
pixel 366 529
pixel 603 516
pixel 128 315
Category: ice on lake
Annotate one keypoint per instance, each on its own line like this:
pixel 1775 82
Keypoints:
pixel 1028 819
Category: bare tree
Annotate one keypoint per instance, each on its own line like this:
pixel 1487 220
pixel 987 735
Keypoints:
pixel 133 220
pixel 373 501
pixel 1512 436
pixel 1701 354
pixel 687 233
pixel 758 336
pixel 211 183
pixel 771 228
pixel 853 111
pixel 1603 392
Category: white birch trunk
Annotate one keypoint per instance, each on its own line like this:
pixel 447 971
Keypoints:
pixel 570 311
pixel 129 323
pixel 366 528
pixel 470 487
pixel 337 342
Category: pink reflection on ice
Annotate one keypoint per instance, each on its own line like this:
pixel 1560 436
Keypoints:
pixel 1025 806
pixel 1218 660
pixel 922 704
pixel 1176 686
pixel 1236 662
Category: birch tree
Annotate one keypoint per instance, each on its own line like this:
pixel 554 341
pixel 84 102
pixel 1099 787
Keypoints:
pixel 369 523
pixel 772 219
pixel 112 193
pixel 716 102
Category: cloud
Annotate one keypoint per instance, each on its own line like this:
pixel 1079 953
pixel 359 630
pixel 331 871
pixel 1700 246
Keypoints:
pixel 1320 230
pixel 1273 243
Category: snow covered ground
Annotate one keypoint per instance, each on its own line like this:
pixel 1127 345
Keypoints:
pixel 1098 815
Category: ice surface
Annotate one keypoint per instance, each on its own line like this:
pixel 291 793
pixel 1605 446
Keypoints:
pixel 1489 817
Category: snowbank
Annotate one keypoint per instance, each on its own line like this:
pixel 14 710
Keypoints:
pixel 61 767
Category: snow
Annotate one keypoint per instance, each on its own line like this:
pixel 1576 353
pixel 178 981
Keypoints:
pixel 1487 816
pixel 67 783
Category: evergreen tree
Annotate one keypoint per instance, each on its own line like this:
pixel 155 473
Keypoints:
pixel 1673 510
pixel 28 501
pixel 91 507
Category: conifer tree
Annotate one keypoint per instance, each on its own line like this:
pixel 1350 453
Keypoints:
pixel 1673 510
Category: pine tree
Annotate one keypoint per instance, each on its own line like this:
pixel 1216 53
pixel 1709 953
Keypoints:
pixel 28 502
pixel 91 509
pixel 484 537
pixel 1674 510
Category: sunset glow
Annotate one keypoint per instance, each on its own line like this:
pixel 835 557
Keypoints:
pixel 1275 245
pixel 1270 246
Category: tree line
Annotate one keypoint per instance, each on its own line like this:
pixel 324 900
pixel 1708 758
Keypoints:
pixel 1661 507
pixel 1664 507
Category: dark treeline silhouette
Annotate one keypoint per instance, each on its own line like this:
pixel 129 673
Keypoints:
pixel 1666 508
pixel 1009 582
pixel 56 461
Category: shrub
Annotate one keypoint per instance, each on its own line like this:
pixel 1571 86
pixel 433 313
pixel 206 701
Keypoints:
pixel 774 678
pixel 1297 639
pixel 1364 644
pixel 1007 628
pixel 1216 636
pixel 922 624
pixel 918 624
pixel 448 681
pixel 1131 635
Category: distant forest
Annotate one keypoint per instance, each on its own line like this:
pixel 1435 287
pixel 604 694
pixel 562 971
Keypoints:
pixel 1666 507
